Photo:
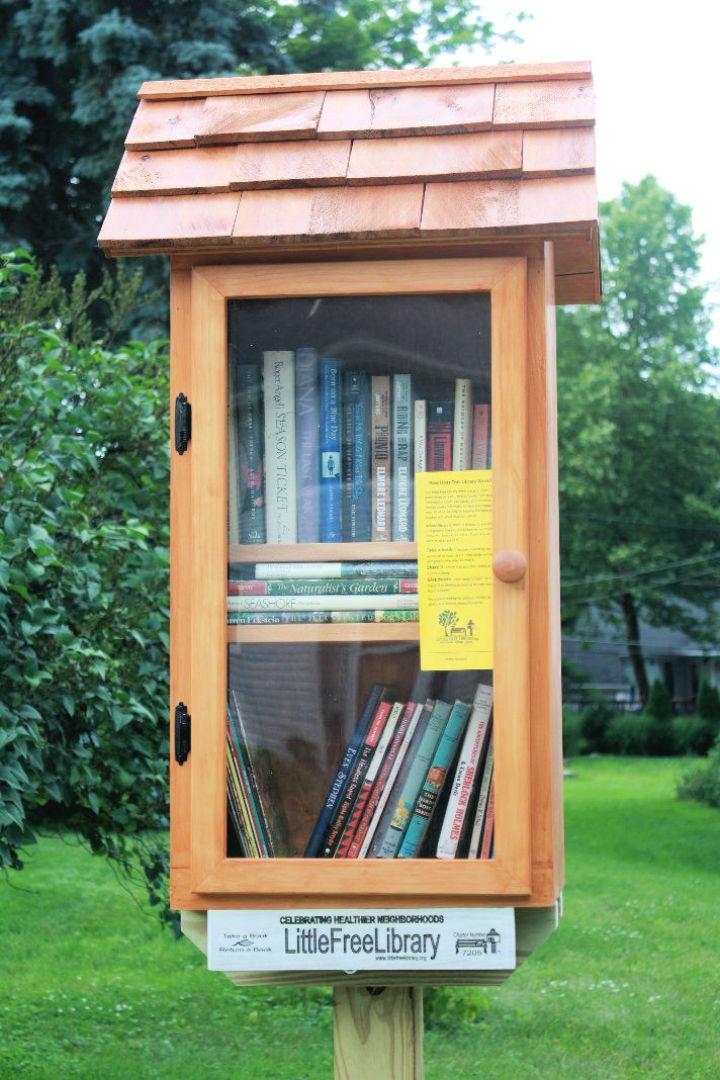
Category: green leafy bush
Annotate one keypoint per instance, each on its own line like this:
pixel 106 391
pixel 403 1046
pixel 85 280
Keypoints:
pixel 573 741
pixel 659 707
pixel 628 733
pixel 702 782
pixel 708 707
pixel 692 735
pixel 594 726
pixel 453 1008
pixel 83 574
pixel 659 703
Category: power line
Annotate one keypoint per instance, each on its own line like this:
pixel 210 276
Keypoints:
pixel 622 575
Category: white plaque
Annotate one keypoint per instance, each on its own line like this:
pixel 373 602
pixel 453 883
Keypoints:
pixel 362 939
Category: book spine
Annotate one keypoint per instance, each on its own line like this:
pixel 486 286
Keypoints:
pixel 330 440
pixel 400 601
pixel 381 459
pixel 463 424
pixel 307 422
pixel 279 618
pixel 356 495
pixel 368 784
pixel 481 437
pixel 359 771
pixel 257 818
pixel 246 801
pixel 374 569
pixel 405 805
pixel 464 780
pixel 250 454
pixel 481 808
pixel 439 436
pixel 420 436
pixel 489 828
pixel 402 458
pixel 341 777
pixel 408 752
pixel 385 779
pixel 434 782
pixel 281 485
pixel 321 587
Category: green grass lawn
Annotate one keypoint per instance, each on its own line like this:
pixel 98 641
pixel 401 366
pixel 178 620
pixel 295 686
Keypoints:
pixel 629 986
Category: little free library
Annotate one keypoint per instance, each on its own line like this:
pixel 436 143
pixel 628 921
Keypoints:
pixel 365 620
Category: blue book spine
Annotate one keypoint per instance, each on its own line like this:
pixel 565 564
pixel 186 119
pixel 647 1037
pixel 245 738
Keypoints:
pixel 434 781
pixel 403 473
pixel 337 788
pixel 356 441
pixel 330 438
pixel 307 436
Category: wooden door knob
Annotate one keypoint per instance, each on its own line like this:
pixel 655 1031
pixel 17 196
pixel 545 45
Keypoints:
pixel 509 566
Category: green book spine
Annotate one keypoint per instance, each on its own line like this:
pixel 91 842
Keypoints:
pixel 434 781
pixel 414 781
pixel 323 587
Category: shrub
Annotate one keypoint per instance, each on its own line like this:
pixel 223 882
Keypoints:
pixel 659 708
pixel 628 733
pixel 692 735
pixel 573 741
pixel 594 725
pixel 659 703
pixel 83 578
pixel 708 707
pixel 702 782
pixel 454 1007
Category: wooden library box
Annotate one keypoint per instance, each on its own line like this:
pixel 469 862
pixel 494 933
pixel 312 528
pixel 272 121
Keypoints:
pixel 364 269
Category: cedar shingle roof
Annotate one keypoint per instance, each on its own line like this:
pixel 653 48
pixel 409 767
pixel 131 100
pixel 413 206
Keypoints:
pixel 462 152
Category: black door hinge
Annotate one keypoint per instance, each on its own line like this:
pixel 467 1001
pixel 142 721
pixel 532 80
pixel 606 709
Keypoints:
pixel 182 733
pixel 183 423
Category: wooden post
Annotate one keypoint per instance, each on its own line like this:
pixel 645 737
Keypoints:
pixel 378 1032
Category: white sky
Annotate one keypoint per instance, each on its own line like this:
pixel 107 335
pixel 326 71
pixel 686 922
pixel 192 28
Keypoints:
pixel 656 69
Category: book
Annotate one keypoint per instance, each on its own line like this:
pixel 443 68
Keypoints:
pixel 482 802
pixel 368 783
pixel 307 436
pixel 280 451
pixel 330 440
pixel 408 752
pixel 279 618
pixel 322 586
pixel 402 458
pixel 360 766
pixel 401 601
pixel 249 448
pixel 381 458
pixel 439 436
pixel 422 759
pixel 481 437
pixel 420 436
pixel 337 787
pixel 463 783
pixel 356 453
pixel 462 424
pixel 374 568
pixel 486 848
pixel 386 778
pixel 434 781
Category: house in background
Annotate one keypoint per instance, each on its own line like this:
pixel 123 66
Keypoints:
pixel 596 663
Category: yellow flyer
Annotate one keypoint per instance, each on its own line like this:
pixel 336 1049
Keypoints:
pixel 454 541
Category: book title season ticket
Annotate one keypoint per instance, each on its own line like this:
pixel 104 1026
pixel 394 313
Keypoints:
pixel 359 939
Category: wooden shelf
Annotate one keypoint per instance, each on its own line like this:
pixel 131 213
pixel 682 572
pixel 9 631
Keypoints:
pixel 255 553
pixel 304 632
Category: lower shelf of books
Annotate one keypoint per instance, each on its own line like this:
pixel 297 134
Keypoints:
pixel 319 632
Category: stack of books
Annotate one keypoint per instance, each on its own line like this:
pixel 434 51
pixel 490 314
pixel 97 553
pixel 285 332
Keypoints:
pixel 416 779
pixel 322 592
pixel 320 452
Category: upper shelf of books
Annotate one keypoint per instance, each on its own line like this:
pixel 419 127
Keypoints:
pixel 334 404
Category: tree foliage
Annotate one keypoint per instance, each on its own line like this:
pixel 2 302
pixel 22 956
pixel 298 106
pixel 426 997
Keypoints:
pixel 640 430
pixel 71 72
pixel 83 571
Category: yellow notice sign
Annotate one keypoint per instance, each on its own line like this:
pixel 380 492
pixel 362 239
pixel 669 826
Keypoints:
pixel 454 539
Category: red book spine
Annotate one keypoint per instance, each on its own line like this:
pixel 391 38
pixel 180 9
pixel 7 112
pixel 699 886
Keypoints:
pixel 356 780
pixel 489 823
pixel 481 430
pixel 247 588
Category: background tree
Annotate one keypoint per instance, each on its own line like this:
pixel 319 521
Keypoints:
pixel 71 72
pixel 640 431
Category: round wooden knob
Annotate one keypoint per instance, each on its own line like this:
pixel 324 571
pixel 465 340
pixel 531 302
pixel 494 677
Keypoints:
pixel 509 566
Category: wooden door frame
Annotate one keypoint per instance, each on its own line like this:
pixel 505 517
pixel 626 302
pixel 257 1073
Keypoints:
pixel 249 882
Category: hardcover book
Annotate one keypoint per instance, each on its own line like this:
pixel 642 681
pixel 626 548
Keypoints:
pixel 402 458
pixel 317 602
pixel 356 453
pixel 469 762
pixel 250 455
pixel 281 485
pixel 330 463
pixel 322 586
pixel 372 568
pixel 280 618
pixel 481 437
pixel 439 436
pixel 368 783
pixel 482 804
pixel 463 425
pixel 420 436
pixel 307 423
pixel 381 459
